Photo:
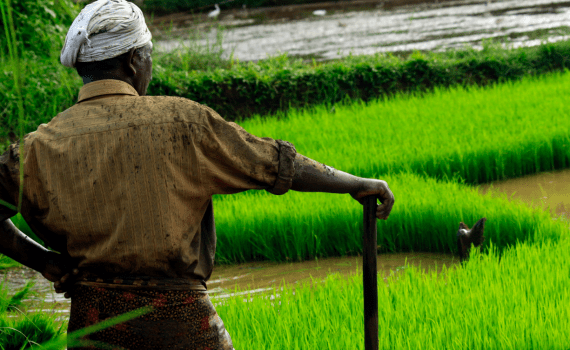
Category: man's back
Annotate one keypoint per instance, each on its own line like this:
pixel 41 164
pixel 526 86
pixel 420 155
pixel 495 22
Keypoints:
pixel 124 183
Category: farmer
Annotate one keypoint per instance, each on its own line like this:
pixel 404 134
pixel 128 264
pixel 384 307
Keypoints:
pixel 121 185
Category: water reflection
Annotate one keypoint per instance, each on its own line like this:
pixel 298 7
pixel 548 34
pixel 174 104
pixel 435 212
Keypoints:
pixel 264 276
pixel 431 27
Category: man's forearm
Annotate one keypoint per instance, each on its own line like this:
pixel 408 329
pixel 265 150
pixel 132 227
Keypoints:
pixel 16 245
pixel 312 176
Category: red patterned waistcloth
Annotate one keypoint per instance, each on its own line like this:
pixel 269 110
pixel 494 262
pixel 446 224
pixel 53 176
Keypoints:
pixel 179 320
pixel 125 282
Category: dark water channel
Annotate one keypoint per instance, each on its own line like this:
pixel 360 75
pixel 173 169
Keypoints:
pixel 549 188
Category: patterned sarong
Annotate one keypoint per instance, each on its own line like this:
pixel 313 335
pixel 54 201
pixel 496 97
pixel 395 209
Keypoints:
pixel 180 319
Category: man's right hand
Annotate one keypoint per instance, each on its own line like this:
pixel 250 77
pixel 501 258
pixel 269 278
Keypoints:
pixel 380 189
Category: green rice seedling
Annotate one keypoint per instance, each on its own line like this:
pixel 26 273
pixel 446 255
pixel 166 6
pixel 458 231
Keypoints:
pixel 324 224
pixel 478 134
pixel 15 301
pixel 27 328
pixel 517 302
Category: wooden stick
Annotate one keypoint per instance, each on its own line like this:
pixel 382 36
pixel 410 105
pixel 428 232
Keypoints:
pixel 370 275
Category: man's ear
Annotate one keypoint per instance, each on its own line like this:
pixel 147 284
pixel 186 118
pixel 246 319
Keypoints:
pixel 130 62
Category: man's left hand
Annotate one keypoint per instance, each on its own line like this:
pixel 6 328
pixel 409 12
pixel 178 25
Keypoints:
pixel 58 271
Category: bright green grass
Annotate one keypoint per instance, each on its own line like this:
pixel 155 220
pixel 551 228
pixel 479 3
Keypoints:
pixel 479 134
pixel 425 217
pixel 519 302
pixel 15 331
pixel 456 134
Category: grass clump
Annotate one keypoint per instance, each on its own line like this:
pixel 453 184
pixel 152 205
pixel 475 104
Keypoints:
pixel 195 53
pixel 20 329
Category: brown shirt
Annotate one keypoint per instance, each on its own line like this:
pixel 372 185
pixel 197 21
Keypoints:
pixel 123 183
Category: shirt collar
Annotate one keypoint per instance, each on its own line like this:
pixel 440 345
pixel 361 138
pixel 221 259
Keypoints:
pixel 106 87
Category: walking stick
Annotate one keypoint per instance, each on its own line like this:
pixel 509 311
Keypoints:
pixel 370 277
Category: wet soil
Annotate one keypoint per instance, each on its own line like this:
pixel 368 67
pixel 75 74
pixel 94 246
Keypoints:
pixel 429 26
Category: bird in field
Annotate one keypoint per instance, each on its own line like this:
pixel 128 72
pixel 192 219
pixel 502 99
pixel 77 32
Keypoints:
pixel 320 12
pixel 215 13
pixel 466 236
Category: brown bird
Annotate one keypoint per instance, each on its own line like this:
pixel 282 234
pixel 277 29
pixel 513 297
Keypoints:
pixel 466 236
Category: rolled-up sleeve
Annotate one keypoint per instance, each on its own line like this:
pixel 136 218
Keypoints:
pixel 8 169
pixel 234 160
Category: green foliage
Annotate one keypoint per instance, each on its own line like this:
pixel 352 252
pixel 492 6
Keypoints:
pixel 456 132
pixel 6 262
pixel 41 25
pixel 280 83
pixel 11 304
pixel 492 303
pixel 48 88
pixel 195 53
pixel 27 333
pixel 27 328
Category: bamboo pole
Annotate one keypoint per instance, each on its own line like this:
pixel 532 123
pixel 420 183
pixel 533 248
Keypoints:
pixel 370 275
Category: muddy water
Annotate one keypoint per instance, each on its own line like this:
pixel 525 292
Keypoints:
pixel 256 278
pixel 547 189
pixel 431 27
pixel 544 189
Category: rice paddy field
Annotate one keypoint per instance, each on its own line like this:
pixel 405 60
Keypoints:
pixel 433 151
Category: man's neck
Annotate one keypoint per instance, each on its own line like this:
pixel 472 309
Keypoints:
pixel 90 78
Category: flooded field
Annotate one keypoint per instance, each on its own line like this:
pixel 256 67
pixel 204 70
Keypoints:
pixel 433 27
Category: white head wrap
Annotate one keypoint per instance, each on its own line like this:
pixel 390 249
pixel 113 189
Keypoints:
pixel 104 29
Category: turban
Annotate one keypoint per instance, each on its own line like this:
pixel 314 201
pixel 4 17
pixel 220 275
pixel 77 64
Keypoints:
pixel 103 30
